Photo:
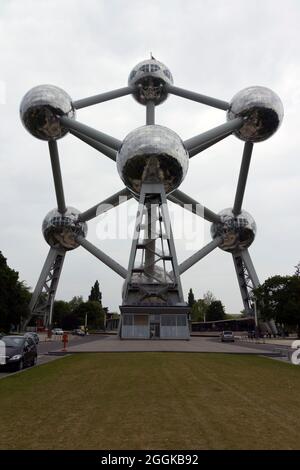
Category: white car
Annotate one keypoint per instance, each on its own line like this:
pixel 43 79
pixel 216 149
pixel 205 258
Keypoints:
pixel 227 336
pixel 57 331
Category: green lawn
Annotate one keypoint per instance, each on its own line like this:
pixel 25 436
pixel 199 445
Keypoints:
pixel 152 401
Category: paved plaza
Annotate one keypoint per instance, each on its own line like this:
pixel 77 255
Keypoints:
pixel 195 344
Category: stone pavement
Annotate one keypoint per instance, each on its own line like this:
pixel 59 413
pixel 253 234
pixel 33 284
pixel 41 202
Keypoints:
pixel 195 344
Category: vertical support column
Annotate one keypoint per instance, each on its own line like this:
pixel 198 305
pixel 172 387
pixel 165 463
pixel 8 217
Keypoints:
pixel 250 268
pixel 150 279
pixel 42 300
pixel 247 280
pixel 150 236
pixel 150 113
pixel 137 228
pixel 170 239
pixel 152 293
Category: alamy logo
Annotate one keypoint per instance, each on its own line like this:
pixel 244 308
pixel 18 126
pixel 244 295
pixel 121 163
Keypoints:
pixel 295 357
pixel 2 352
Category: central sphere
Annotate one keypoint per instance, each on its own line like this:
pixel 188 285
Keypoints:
pixel 238 231
pixel 152 154
pixel 60 230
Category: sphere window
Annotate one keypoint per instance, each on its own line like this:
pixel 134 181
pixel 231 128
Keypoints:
pixel 145 68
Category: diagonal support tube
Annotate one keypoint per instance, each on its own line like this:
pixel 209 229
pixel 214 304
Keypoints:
pixel 185 201
pixel 109 95
pixel 188 263
pixel 59 190
pixel 105 139
pixel 112 264
pixel 104 206
pixel 215 133
pixel 109 152
pixel 191 95
pixel 202 147
pixel 239 196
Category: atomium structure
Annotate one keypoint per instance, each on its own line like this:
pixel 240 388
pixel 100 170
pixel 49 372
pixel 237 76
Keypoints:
pixel 152 162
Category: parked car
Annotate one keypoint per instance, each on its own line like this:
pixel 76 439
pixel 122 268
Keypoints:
pixel 227 336
pixel 78 332
pixel 57 331
pixel 33 335
pixel 20 351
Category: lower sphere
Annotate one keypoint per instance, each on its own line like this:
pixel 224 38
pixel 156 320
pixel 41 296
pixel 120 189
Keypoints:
pixel 238 232
pixel 60 230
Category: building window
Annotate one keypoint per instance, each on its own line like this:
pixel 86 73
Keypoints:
pixel 128 320
pixel 168 320
pixel 173 320
pixel 155 318
pixel 181 320
pixel 140 320
pixel 154 68
pixel 145 68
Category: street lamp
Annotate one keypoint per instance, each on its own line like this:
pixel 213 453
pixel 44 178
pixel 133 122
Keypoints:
pixel 85 323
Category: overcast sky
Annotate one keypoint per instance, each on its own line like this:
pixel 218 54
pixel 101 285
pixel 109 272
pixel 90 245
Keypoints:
pixel 212 47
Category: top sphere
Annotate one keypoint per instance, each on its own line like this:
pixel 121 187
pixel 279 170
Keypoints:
pixel 149 79
pixel 262 109
pixel 40 110
pixel 152 154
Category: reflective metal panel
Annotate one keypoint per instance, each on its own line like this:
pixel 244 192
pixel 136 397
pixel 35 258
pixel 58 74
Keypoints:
pixel 60 230
pixel 262 110
pixel 149 79
pixel 238 231
pixel 40 110
pixel 152 154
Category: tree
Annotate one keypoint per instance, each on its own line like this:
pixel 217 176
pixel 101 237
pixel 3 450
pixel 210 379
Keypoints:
pixel 61 309
pixel 209 297
pixel 297 272
pixel 278 298
pixel 215 311
pixel 14 297
pixel 199 310
pixel 191 298
pixel 95 294
pixel 94 312
pixel 75 302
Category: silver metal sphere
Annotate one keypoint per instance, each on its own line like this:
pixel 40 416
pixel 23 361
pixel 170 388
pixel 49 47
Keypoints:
pixel 262 109
pixel 40 110
pixel 152 154
pixel 238 231
pixel 60 230
pixel 149 78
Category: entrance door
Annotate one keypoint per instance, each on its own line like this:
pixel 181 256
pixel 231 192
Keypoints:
pixel 154 330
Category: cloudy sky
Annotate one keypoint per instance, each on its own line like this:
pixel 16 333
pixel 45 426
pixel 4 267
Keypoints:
pixel 213 47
